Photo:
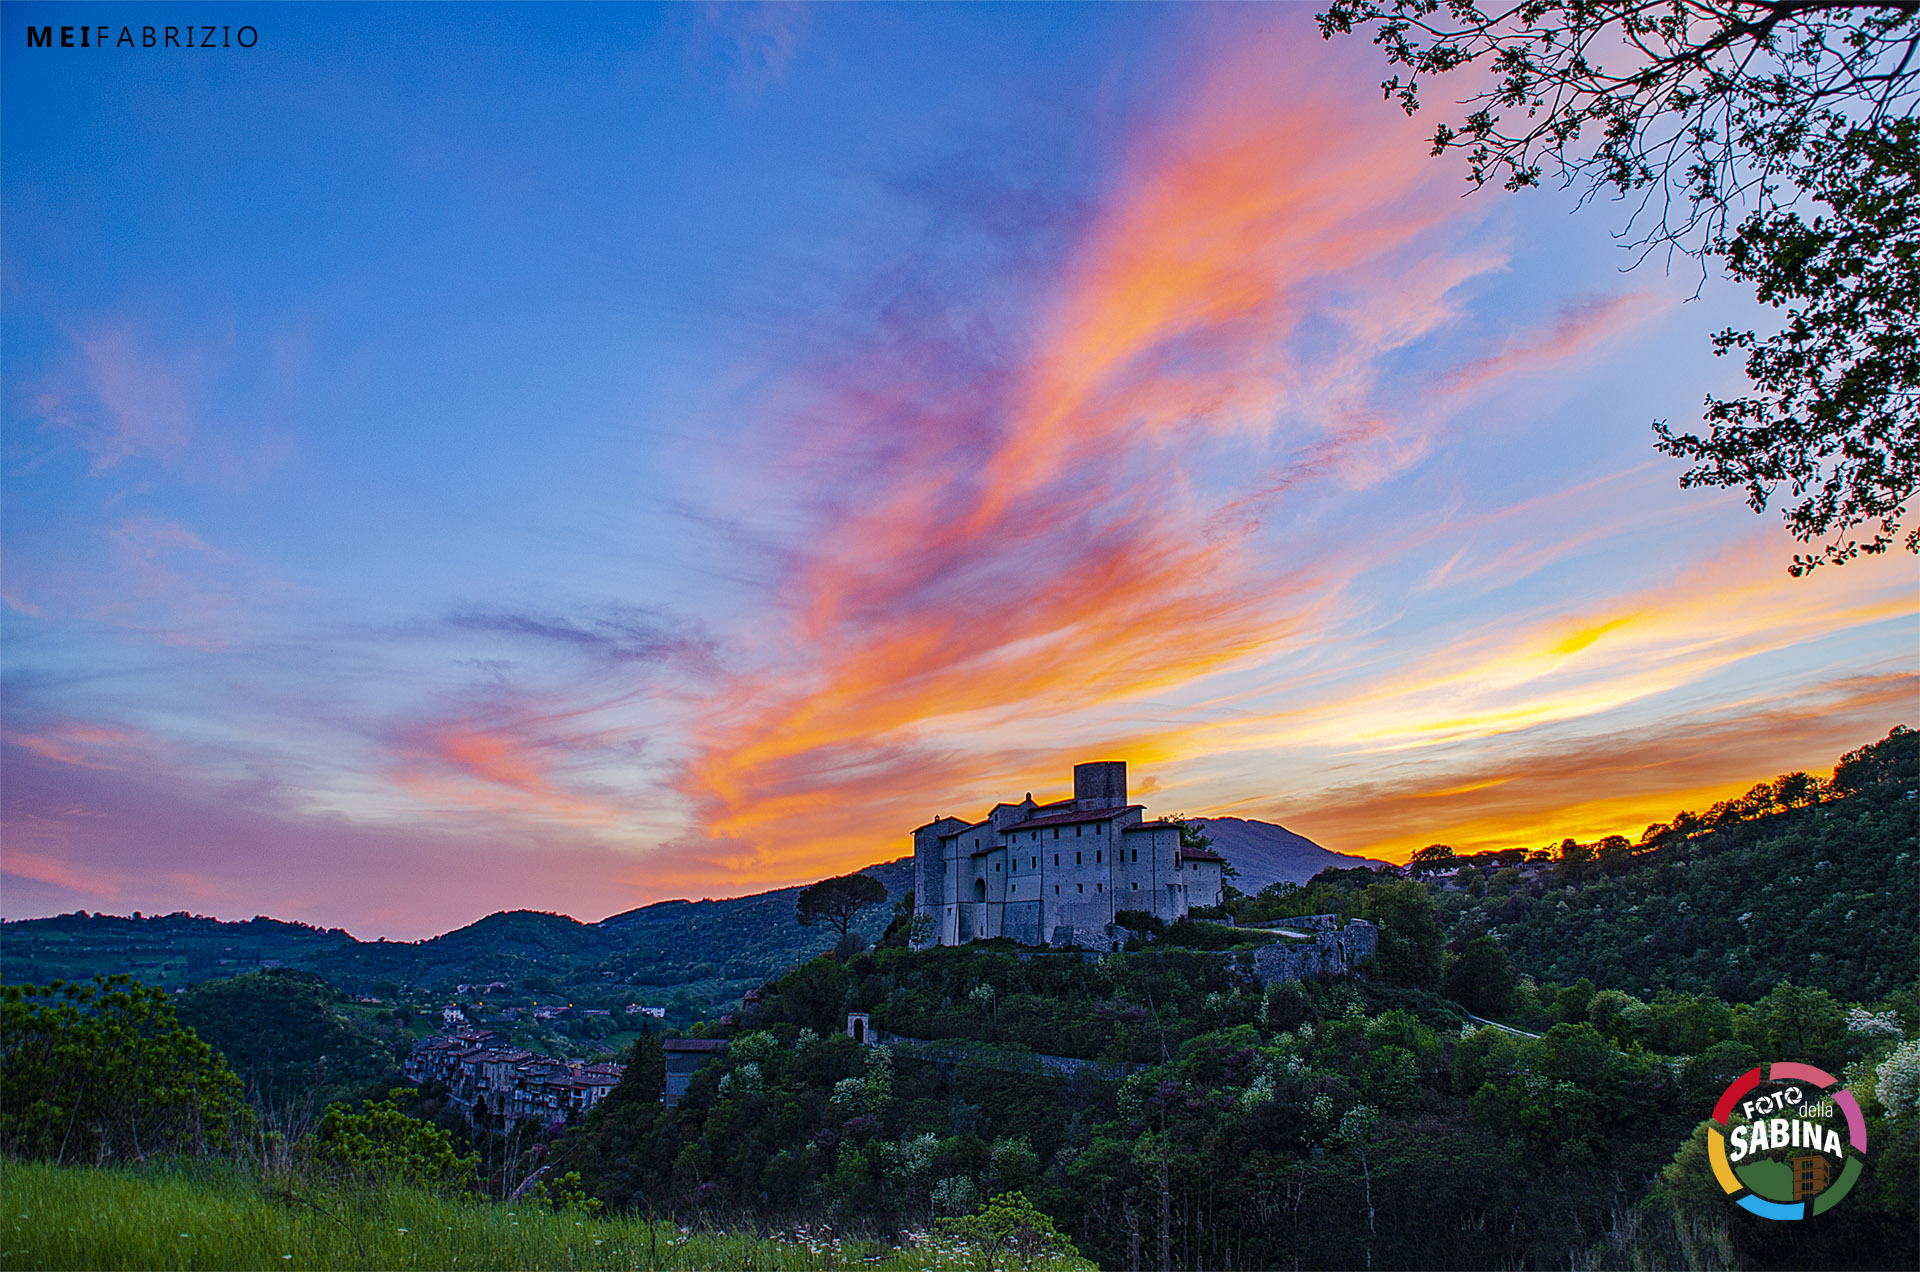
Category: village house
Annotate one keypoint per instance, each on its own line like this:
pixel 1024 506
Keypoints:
pixel 1058 873
pixel 684 1057
pixel 513 1084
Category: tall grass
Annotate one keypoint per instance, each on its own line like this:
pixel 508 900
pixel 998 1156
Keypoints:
pixel 210 1215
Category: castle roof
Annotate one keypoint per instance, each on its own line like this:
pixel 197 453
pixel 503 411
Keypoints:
pixel 1071 818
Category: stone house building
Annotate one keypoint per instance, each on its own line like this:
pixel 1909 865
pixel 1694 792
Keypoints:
pixel 1058 873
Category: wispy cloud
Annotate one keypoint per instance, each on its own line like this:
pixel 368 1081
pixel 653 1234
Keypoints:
pixel 1580 327
pixel 752 42
pixel 190 407
pixel 615 636
pixel 1056 541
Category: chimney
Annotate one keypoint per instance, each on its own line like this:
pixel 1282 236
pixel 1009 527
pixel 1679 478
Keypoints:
pixel 1101 784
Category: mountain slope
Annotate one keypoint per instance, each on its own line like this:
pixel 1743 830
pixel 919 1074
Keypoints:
pixel 1264 853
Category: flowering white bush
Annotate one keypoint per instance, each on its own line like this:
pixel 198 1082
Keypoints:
pixel 1898 1089
pixel 1873 1024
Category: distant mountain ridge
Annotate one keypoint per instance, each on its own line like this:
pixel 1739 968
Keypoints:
pixel 1265 853
pixel 714 950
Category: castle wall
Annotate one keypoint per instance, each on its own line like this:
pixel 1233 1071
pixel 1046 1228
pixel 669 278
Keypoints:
pixel 1007 877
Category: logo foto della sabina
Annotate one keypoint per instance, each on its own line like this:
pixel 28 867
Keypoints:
pixel 1787 1142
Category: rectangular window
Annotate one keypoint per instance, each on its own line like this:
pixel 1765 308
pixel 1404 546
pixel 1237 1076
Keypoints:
pixel 1096 856
pixel 1056 858
pixel 1056 832
pixel 1136 854
pixel 1136 887
pixel 1099 887
pixel 996 867
pixel 1056 889
pixel 1079 887
pixel 1036 863
pixel 1076 859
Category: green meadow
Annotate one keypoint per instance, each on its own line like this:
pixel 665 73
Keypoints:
pixel 202 1215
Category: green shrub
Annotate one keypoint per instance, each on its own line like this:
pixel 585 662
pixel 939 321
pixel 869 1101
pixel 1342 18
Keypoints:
pixel 106 1071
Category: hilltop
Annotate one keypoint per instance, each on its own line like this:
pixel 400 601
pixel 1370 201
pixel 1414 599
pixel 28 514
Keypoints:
pixel 1264 853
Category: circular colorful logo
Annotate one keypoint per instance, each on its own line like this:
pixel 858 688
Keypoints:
pixel 1787 1143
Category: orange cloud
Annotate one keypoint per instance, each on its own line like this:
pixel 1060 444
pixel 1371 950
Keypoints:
pixel 1539 791
pixel 1074 560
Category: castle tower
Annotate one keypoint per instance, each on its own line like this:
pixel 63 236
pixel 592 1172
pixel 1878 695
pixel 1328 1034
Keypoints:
pixel 1101 784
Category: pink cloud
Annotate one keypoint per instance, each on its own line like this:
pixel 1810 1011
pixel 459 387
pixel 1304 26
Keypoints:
pixel 1579 328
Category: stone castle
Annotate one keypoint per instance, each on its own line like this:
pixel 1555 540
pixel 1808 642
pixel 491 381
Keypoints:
pixel 1058 873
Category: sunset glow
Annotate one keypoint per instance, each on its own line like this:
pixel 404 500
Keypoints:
pixel 636 468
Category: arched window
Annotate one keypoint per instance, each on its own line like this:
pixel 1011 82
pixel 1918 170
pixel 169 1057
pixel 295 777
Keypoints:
pixel 979 889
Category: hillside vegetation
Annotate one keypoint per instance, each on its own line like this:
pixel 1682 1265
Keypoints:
pixel 1826 892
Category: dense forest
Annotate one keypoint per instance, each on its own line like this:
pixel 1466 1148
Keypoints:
pixel 1520 1076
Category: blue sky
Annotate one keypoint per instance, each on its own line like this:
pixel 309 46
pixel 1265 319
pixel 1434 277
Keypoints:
pixel 566 456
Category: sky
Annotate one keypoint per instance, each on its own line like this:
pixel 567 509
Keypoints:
pixel 467 458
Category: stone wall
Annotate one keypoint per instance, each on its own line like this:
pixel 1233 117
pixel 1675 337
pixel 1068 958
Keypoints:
pixel 1335 953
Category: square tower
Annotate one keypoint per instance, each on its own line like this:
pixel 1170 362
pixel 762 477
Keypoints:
pixel 1101 784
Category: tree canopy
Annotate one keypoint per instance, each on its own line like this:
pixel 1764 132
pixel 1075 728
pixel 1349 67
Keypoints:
pixel 1722 124
pixel 105 1072
pixel 839 901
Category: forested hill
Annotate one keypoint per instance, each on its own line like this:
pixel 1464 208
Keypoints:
pixel 716 950
pixel 1815 880
pixel 1804 876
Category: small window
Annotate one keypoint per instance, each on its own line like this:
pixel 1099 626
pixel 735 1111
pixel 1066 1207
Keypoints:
pixel 1076 832
pixel 1099 887
pixel 1076 859
pixel 1096 856
pixel 1036 863
pixel 996 867
pixel 1136 887
pixel 1056 832
pixel 1079 887
pixel 1136 854
pixel 1056 858
pixel 1056 889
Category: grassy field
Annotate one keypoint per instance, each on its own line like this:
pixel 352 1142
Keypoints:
pixel 210 1216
